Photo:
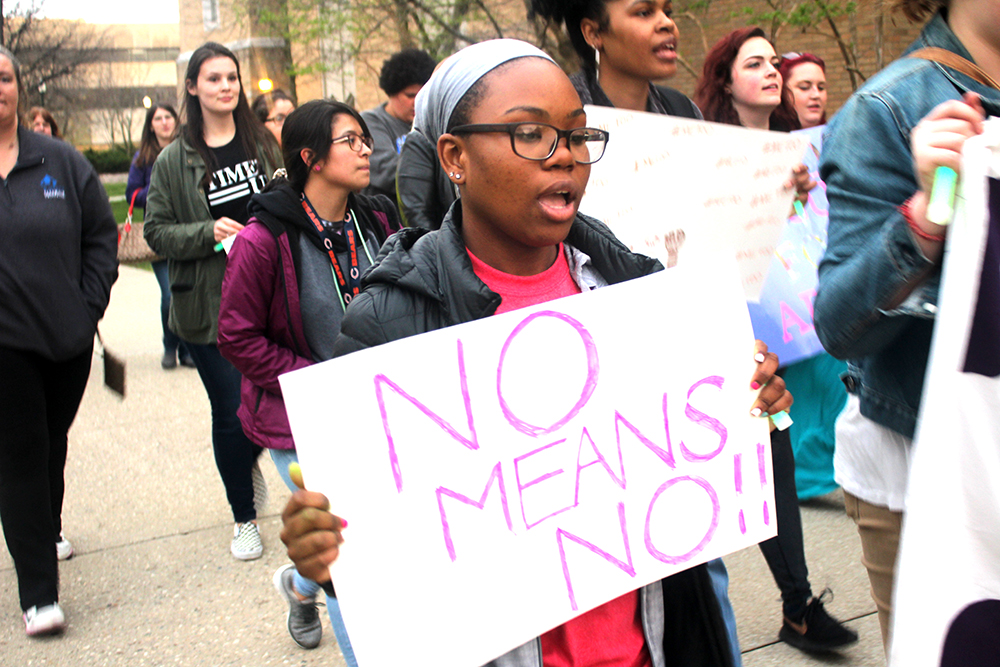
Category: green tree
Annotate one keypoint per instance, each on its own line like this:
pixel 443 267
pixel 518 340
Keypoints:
pixel 834 19
pixel 52 53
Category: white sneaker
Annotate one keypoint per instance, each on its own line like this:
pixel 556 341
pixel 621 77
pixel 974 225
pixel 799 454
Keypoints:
pixel 48 620
pixel 64 549
pixel 246 541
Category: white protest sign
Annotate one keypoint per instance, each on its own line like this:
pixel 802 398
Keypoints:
pixel 505 475
pixel 684 190
pixel 946 599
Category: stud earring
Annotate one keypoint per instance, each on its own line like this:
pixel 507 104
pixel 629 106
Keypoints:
pixel 451 174
pixel 317 168
pixel 458 177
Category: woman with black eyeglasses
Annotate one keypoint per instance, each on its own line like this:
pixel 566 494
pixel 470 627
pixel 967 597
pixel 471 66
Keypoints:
pixel 513 138
pixel 292 271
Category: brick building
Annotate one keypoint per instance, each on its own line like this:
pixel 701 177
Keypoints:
pixel 861 29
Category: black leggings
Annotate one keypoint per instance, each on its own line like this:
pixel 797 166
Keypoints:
pixel 785 554
pixel 38 402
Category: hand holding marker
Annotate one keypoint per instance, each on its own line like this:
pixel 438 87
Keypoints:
pixel 940 206
pixel 225 244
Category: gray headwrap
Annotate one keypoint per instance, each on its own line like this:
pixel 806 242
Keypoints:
pixel 456 74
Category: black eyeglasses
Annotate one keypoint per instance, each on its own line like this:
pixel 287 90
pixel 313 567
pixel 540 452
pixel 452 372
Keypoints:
pixel 538 141
pixel 356 141
pixel 277 118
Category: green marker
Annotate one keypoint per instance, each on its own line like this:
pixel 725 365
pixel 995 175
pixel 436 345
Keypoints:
pixel 219 247
pixel 781 420
pixel 801 212
pixel 941 206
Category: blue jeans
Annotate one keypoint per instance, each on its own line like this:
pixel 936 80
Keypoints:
pixel 171 342
pixel 720 585
pixel 234 452
pixel 308 587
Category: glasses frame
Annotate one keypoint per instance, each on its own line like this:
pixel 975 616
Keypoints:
pixel 277 118
pixel 511 128
pixel 350 138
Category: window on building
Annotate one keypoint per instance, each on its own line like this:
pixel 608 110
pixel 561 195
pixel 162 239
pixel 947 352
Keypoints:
pixel 210 14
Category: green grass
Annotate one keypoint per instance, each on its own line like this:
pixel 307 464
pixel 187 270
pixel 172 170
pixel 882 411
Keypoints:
pixel 120 209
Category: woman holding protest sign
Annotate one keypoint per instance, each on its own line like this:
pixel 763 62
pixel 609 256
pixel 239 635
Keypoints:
pixel 741 85
pixel 284 294
pixel 197 198
pixel 513 239
pixel 877 300
pixel 623 48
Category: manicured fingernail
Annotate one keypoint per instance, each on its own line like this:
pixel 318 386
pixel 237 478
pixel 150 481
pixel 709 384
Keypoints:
pixel 759 357
pixel 755 385
pixel 343 522
pixel 756 412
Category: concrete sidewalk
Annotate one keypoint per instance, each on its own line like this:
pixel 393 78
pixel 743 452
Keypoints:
pixel 153 583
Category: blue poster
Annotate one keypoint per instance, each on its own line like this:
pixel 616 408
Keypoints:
pixel 784 316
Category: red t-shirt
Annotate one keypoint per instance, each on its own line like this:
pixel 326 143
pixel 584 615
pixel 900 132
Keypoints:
pixel 521 291
pixel 610 635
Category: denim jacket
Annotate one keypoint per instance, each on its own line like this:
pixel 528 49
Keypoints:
pixel 877 294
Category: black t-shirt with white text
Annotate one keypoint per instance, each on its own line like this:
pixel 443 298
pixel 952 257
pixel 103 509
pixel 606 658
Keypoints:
pixel 234 181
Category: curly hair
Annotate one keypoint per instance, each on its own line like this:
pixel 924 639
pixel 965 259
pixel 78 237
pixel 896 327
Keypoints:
pixel 404 69
pixel 918 10
pixel 571 13
pixel 712 95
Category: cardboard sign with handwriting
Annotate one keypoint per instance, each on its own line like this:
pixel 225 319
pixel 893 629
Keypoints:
pixel 503 476
pixel 683 190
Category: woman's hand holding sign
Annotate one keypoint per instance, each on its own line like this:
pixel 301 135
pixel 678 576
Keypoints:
pixel 773 397
pixel 310 531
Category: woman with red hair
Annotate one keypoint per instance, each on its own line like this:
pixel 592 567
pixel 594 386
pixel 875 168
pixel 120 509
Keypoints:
pixel 805 83
pixel 740 84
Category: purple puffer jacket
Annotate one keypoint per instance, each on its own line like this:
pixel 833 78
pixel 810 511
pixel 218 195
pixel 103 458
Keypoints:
pixel 261 331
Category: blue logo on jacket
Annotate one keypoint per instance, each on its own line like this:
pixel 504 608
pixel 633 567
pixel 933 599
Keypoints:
pixel 51 189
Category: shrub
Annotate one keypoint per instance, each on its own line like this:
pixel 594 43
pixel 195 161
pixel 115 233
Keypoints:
pixel 112 161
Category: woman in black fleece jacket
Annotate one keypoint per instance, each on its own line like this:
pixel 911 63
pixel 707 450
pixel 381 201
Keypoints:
pixel 57 264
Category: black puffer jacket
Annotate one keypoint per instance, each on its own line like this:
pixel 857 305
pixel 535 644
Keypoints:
pixel 423 281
